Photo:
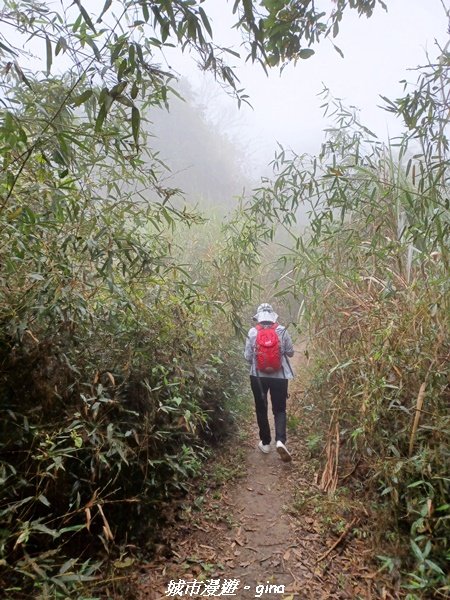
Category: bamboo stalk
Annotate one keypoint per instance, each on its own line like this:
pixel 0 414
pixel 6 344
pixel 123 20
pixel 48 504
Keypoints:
pixel 328 482
pixel 419 404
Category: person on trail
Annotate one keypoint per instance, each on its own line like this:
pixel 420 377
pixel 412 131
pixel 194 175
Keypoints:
pixel 267 349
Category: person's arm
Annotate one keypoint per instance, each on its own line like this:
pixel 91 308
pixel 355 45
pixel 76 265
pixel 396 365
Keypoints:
pixel 248 352
pixel 288 347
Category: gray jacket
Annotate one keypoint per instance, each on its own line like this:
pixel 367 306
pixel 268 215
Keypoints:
pixel 286 347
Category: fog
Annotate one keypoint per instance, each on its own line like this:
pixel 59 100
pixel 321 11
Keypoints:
pixel 378 53
pixel 219 150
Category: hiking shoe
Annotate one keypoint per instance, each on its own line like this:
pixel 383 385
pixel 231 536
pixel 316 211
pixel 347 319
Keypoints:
pixel 283 452
pixel 264 447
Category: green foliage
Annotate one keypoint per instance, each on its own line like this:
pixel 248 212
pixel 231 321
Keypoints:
pixel 118 365
pixel 115 368
pixel 372 276
pixel 280 31
pixel 108 388
pixel 117 361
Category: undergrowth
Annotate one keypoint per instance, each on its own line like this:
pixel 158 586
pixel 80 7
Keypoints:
pixel 119 364
pixel 371 278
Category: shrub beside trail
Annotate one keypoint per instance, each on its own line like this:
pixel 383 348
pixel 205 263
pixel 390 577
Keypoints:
pixel 118 361
pixel 371 278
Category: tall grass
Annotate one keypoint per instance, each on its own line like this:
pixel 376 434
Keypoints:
pixel 372 277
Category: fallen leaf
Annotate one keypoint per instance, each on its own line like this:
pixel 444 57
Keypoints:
pixel 124 564
pixel 244 565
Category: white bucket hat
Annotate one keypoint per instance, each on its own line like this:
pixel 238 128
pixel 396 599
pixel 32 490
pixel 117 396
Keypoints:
pixel 265 312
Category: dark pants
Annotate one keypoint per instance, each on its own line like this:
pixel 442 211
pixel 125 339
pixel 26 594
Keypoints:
pixel 278 394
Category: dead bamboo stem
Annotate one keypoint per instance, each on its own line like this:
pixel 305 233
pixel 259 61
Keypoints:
pixel 418 410
pixel 338 541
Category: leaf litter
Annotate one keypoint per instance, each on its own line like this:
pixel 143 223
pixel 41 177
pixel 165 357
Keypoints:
pixel 259 539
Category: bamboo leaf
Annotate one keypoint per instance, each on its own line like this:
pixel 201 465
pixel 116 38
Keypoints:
pixel 105 9
pixel 48 46
pixel 125 101
pixel 145 11
pixel 417 551
pixel 90 42
pixel 338 50
pixel 134 90
pixel 22 76
pixel 306 53
pixel 135 124
pixel 205 21
pixel 85 15
pixel 7 49
pixel 82 98
pixel 100 118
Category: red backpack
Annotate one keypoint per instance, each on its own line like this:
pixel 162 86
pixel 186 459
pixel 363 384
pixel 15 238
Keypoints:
pixel 268 355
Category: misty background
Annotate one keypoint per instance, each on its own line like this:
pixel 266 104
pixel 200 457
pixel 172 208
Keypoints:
pixel 216 150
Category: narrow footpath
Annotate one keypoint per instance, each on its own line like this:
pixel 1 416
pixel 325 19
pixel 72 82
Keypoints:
pixel 267 534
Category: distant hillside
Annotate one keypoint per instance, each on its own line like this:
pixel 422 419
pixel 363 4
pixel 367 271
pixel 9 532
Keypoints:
pixel 203 161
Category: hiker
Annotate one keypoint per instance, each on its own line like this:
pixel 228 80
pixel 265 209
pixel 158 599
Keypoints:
pixel 267 349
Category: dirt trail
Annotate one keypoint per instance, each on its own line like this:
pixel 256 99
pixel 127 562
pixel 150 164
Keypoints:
pixel 250 547
pixel 263 536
